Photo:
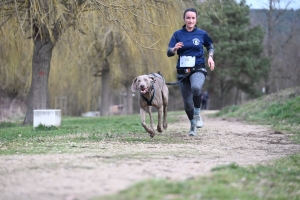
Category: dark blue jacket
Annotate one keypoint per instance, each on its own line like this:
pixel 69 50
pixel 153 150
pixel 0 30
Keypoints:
pixel 193 44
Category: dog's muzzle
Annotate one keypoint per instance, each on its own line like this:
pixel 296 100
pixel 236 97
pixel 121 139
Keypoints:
pixel 143 89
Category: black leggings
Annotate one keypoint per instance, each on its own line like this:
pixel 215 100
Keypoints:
pixel 191 92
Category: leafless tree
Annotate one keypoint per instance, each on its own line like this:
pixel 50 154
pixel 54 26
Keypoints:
pixel 276 44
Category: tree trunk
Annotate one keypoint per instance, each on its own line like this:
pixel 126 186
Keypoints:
pixel 269 44
pixel 105 92
pixel 129 99
pixel 38 94
pixel 236 96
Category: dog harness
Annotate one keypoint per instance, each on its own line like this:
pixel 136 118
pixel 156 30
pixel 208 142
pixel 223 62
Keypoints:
pixel 149 102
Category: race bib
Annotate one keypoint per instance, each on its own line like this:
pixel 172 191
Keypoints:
pixel 187 61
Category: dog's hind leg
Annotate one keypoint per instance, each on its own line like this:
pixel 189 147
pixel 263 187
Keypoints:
pixel 165 96
pixel 165 121
pixel 143 119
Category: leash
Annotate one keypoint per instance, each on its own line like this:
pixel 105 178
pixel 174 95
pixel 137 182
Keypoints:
pixel 179 81
pixel 186 76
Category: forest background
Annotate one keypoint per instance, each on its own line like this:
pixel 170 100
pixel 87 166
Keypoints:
pixel 92 68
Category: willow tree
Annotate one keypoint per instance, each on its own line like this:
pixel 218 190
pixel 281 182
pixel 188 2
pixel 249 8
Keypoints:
pixel 126 57
pixel 104 48
pixel 123 60
pixel 75 61
pixel 14 67
pixel 72 88
pixel 46 20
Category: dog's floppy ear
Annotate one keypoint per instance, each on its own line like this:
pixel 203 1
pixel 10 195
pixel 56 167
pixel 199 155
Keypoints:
pixel 133 85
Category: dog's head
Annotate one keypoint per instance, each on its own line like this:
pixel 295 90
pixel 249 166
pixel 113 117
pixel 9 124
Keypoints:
pixel 142 83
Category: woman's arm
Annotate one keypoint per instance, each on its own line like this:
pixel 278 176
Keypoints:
pixel 210 60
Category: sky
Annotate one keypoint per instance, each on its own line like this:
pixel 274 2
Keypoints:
pixel 259 4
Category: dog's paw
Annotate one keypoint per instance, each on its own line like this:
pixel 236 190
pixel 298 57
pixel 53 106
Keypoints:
pixel 159 129
pixel 150 131
pixel 165 126
pixel 152 134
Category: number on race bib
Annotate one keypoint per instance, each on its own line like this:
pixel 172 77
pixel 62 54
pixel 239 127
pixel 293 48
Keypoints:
pixel 187 61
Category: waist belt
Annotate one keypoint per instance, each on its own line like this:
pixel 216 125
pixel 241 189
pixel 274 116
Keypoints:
pixel 188 70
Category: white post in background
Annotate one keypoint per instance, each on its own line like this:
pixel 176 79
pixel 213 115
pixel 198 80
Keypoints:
pixel 46 117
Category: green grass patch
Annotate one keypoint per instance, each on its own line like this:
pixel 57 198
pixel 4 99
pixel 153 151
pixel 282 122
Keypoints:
pixel 278 180
pixel 7 124
pixel 273 181
pixel 280 110
pixel 18 139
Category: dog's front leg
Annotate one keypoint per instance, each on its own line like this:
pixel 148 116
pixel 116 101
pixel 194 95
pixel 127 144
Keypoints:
pixel 160 114
pixel 149 110
pixel 143 119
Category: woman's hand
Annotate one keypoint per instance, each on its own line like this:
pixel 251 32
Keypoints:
pixel 177 46
pixel 211 63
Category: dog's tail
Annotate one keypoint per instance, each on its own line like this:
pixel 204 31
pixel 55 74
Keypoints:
pixel 160 74
pixel 162 77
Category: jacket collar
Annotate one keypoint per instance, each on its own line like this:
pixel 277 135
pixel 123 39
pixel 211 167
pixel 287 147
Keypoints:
pixel 184 28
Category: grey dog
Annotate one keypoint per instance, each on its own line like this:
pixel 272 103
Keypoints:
pixel 153 92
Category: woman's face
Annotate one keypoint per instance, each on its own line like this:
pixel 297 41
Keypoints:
pixel 190 20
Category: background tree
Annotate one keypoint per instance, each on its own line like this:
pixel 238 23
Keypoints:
pixel 74 89
pixel 104 48
pixel 75 61
pixel 14 72
pixel 47 20
pixel 239 61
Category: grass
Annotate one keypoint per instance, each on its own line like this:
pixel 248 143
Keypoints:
pixel 280 110
pixel 77 132
pixel 273 181
pixel 279 179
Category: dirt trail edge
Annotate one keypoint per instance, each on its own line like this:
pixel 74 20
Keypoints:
pixel 114 166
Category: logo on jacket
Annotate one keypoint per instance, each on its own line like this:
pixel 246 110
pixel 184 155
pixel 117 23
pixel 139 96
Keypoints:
pixel 196 41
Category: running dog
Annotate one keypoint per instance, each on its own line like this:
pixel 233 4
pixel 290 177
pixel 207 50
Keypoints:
pixel 153 92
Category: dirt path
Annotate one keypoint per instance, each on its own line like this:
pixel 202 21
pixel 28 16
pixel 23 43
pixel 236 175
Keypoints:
pixel 112 167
